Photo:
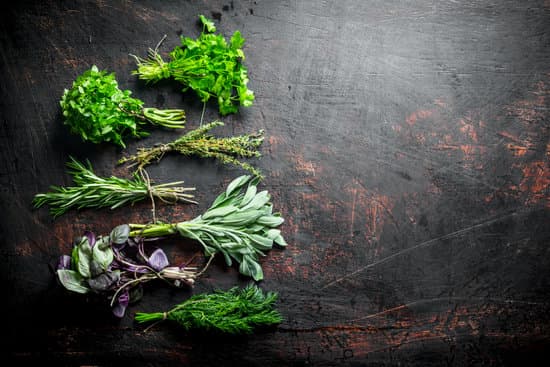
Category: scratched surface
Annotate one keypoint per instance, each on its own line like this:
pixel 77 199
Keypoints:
pixel 407 147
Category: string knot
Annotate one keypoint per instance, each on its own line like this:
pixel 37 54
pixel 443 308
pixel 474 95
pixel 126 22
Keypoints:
pixel 150 191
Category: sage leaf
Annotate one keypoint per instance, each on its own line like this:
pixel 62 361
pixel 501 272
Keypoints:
pixel 236 184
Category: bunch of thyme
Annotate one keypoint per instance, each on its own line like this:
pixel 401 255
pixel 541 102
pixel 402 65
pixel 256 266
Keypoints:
pixel 199 143
pixel 92 191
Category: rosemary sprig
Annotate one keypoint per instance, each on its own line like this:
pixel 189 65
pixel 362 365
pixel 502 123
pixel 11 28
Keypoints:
pixel 240 224
pixel 92 191
pixel 199 143
pixel 236 311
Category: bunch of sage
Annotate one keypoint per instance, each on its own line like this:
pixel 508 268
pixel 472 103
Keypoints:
pixel 240 225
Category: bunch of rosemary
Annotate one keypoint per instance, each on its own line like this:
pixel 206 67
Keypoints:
pixel 236 311
pixel 208 65
pixel 97 110
pixel 92 191
pixel 199 143
pixel 240 225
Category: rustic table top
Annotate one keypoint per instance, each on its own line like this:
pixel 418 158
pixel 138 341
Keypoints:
pixel 407 146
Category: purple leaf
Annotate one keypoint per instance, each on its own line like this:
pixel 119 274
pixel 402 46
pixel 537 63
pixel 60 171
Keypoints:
pixel 104 281
pixel 91 238
pixel 120 307
pixel 64 262
pixel 158 260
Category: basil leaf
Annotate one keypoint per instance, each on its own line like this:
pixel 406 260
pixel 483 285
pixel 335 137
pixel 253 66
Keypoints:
pixel 119 234
pixel 104 257
pixel 95 269
pixel 72 281
pixel 84 258
pixel 158 260
pixel 122 303
pixel 104 281
pixel 64 262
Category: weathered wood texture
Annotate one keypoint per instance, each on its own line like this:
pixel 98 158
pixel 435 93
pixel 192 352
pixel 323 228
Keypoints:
pixel 407 147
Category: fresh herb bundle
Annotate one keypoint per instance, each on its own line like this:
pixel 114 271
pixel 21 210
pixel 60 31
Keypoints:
pixel 97 110
pixel 92 191
pixel 199 143
pixel 240 224
pixel 116 266
pixel 208 65
pixel 236 311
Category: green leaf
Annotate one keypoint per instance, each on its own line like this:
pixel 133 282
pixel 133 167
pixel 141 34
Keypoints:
pixel 103 256
pixel 251 268
pixel 236 184
pixel 219 212
pixel 279 240
pixel 103 242
pixel 84 258
pixel 262 243
pixel 210 27
pixel 104 281
pixel 270 221
pixel 221 200
pixel 237 41
pixel 241 218
pixel 259 200
pixel 72 281
pixel 273 233
pixel 249 195
pixel 119 234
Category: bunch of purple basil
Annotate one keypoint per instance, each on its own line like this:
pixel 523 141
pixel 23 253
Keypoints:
pixel 116 266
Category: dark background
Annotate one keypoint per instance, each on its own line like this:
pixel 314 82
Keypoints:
pixel 407 148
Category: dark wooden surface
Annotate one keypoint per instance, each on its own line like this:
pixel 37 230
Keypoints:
pixel 407 147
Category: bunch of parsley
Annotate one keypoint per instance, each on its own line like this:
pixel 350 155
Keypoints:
pixel 208 65
pixel 97 110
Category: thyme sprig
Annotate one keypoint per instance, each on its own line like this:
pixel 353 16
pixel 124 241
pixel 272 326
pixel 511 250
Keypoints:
pixel 93 191
pixel 97 110
pixel 240 225
pixel 236 311
pixel 199 143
